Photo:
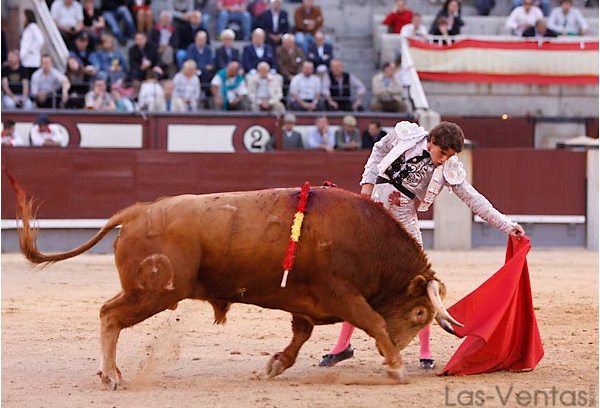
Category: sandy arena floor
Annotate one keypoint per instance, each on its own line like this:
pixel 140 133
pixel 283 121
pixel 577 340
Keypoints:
pixel 50 346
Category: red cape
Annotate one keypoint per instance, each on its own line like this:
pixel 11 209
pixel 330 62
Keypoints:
pixel 500 325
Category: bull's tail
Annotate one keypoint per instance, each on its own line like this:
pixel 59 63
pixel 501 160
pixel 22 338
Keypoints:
pixel 28 234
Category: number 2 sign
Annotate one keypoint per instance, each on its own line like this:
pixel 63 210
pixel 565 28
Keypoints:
pixel 256 138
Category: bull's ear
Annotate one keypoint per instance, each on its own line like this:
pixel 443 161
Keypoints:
pixel 417 286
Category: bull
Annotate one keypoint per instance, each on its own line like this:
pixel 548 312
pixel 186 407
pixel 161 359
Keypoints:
pixel 354 263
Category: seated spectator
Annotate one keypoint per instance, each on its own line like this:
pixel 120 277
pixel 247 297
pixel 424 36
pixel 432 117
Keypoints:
pixel 181 10
pixel 32 41
pixel 275 22
pixel 121 96
pixel 201 53
pixel 114 10
pixel 187 35
pixel 10 138
pixel 265 90
pixel 387 91
pixel 151 96
pixel 305 90
pixel 484 7
pixel 93 22
pixel 82 52
pixel 415 29
pixel 308 19
pixel 256 8
pixel 566 20
pixel 320 52
pixel 229 89
pixel 45 134
pixel 98 99
pixel 343 90
pixel 398 18
pixel 143 57
pixel 289 59
pixel 187 86
pixel 143 15
pixel 451 12
pixel 321 136
pixel 440 29
pixel 539 30
pixel 46 82
pixel 15 83
pixel 347 137
pixel 226 52
pixel 372 134
pixel 173 103
pixel 234 10
pixel 543 5
pixel 523 17
pixel 164 36
pixel 291 139
pixel 109 63
pixel 68 15
pixel 258 51
pixel 80 83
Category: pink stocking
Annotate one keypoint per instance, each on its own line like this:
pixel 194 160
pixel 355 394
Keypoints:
pixel 425 347
pixel 343 339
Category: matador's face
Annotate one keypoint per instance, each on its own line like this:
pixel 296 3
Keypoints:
pixel 439 155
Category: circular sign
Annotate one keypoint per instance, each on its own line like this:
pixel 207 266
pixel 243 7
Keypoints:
pixel 256 138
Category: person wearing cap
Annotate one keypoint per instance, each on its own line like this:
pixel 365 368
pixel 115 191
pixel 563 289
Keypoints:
pixel 342 90
pixel 44 134
pixel 226 52
pixel 405 172
pixel 291 139
pixel 347 137
pixel 82 52
pixel 265 90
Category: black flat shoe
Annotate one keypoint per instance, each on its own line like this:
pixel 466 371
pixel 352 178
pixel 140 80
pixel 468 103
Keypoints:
pixel 426 363
pixel 329 360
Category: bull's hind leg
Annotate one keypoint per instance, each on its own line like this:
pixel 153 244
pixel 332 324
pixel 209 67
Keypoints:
pixel 283 360
pixel 125 310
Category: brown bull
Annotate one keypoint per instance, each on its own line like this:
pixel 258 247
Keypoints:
pixel 354 263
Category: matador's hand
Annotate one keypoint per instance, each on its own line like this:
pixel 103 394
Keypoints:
pixel 394 198
pixel 517 231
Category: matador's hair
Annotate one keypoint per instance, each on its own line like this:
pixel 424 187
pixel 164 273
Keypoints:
pixel 447 135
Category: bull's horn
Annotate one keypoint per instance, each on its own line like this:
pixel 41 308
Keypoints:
pixel 445 325
pixel 433 290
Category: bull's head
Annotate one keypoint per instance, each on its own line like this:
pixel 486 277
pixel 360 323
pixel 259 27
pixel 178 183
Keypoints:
pixel 421 303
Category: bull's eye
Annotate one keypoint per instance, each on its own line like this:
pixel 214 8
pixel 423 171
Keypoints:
pixel 419 313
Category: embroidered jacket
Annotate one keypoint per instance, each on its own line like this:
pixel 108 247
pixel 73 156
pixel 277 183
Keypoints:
pixel 427 181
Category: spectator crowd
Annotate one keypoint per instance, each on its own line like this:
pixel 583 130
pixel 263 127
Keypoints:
pixel 133 55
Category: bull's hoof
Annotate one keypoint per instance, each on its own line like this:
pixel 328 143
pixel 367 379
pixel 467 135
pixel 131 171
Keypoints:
pixel 398 375
pixel 112 383
pixel 275 366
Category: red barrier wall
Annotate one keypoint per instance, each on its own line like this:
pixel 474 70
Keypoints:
pixel 94 183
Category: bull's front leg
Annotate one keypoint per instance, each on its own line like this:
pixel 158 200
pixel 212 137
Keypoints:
pixel 283 360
